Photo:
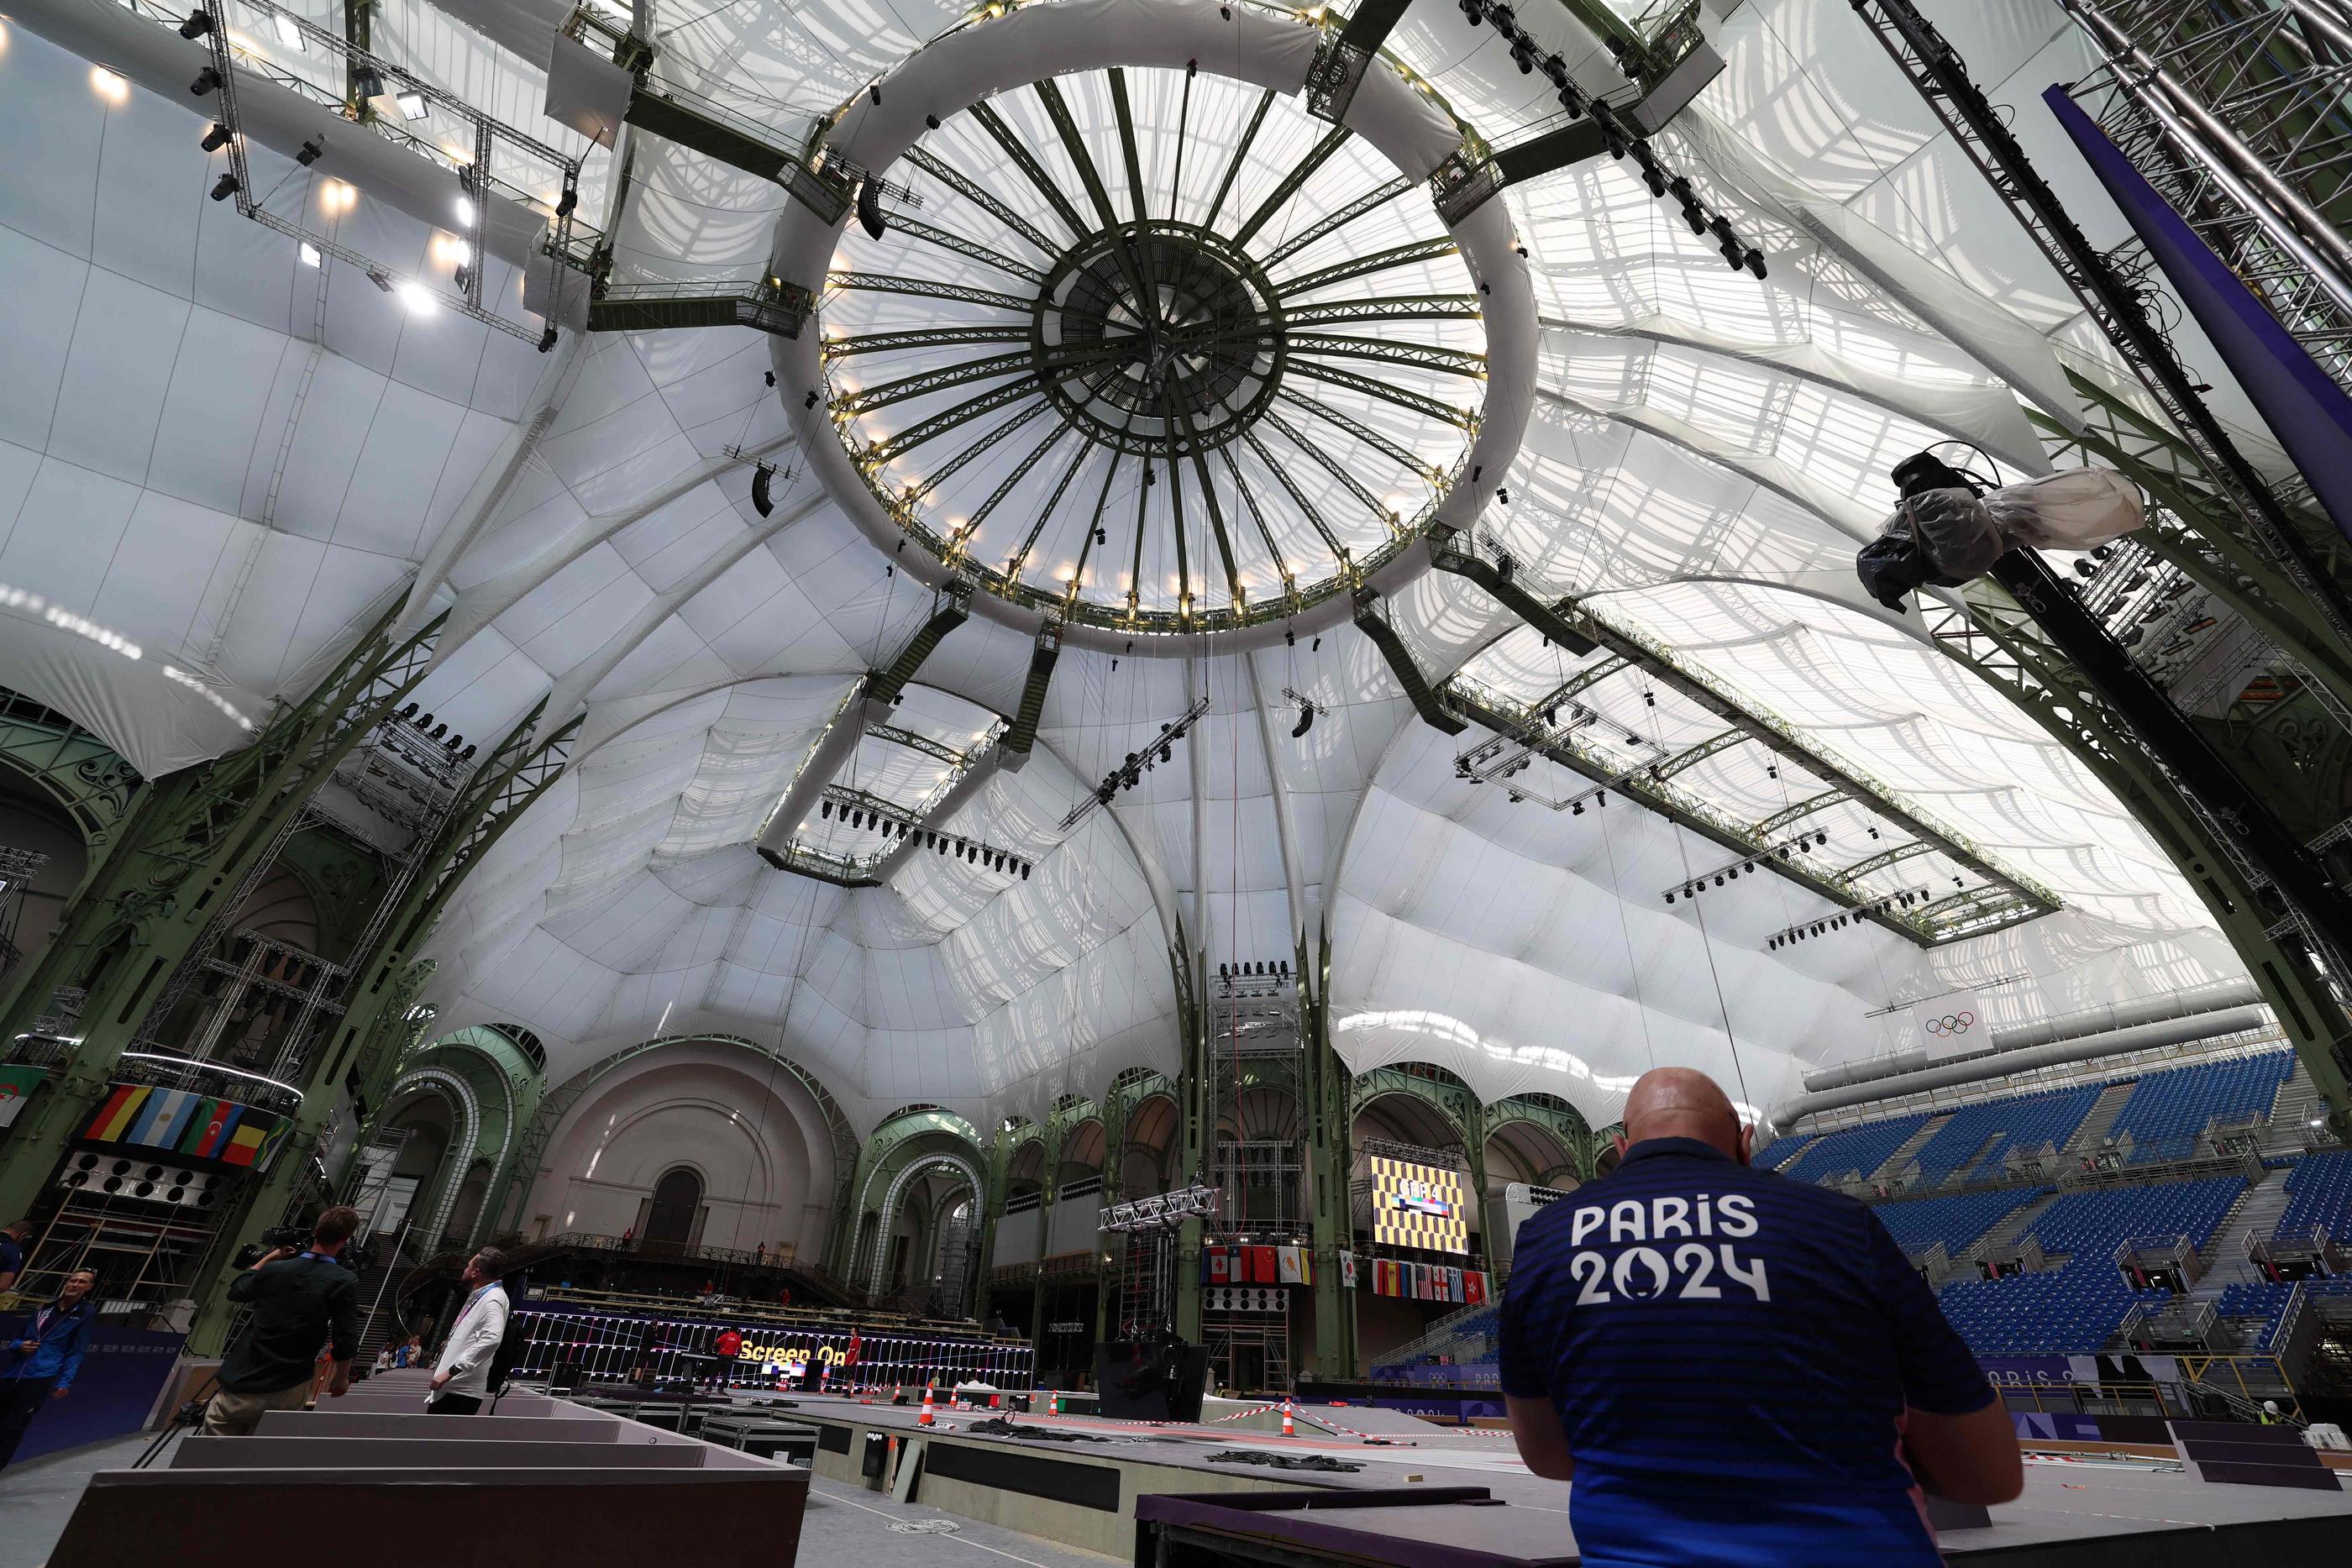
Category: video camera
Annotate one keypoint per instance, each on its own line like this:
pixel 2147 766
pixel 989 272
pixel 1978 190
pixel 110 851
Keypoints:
pixel 276 1235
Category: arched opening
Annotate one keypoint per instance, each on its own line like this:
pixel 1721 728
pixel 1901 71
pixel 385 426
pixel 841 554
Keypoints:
pixel 1145 1161
pixel 674 1209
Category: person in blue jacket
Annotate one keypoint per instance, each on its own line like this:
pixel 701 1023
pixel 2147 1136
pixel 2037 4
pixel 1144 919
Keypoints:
pixel 39 1363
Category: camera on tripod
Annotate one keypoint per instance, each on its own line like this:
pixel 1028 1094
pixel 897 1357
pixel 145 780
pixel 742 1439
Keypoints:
pixel 276 1235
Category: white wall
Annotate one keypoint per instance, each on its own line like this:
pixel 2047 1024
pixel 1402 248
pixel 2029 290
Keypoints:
pixel 758 1142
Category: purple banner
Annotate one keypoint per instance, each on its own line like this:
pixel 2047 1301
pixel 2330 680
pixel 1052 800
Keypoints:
pixel 2056 1426
pixel 2308 413
pixel 122 1373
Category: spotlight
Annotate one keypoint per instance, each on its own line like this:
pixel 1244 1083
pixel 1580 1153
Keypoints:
pixel 761 502
pixel 1523 54
pixel 464 206
pixel 225 187
pixel 216 139
pixel 824 810
pixel 1670 898
pixel 412 105
pixel 1821 838
pixel 1754 262
pixel 874 93
pixel 313 151
pixel 1472 12
pixel 1611 132
pixel 1305 720
pixel 932 121
pixel 367 84
pixel 289 34
pixel 207 80
pixel 566 204
pixel 810 401
pixel 1555 69
pixel 198 23
pixel 1025 870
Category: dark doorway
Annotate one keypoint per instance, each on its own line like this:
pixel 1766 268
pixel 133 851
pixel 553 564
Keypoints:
pixel 670 1220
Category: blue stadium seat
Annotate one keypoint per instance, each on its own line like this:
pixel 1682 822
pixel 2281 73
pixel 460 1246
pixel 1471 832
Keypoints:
pixel 1919 1223
pixel 2167 1110
pixel 2319 1191
pixel 2025 1124
pixel 1856 1150
pixel 2073 1310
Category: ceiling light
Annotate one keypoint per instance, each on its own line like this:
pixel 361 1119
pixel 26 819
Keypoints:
pixel 309 254
pixel 412 104
pixel 465 206
pixel 311 152
pixel 416 297
pixel 289 34
pixel 216 139
pixel 207 80
pixel 198 23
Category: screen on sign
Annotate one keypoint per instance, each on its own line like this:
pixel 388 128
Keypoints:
pixel 1419 1206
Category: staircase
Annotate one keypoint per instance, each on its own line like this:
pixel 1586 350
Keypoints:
pixel 378 1323
pixel 1999 1241
pixel 2256 1213
pixel 2103 1111
pixel 1911 1145
pixel 2291 1112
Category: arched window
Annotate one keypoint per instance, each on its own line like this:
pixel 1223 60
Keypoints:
pixel 676 1196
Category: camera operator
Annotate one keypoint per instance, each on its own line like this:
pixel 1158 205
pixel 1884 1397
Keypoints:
pixel 301 1300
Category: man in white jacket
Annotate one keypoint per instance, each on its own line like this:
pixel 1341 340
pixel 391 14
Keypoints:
pixel 461 1379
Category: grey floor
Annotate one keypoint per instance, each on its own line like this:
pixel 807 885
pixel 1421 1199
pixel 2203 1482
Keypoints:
pixel 844 1524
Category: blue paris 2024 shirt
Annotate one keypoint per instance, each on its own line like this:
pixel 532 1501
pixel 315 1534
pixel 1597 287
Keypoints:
pixel 1730 1353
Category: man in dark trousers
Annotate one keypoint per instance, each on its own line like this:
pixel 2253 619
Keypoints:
pixel 1734 1367
pixel 41 1361
pixel 301 1300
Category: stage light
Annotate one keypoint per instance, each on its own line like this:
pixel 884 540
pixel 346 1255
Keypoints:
pixel 414 105
pixel 464 209
pixel 309 254
pixel 216 139
pixel 289 34
pixel 198 23
pixel 207 80
pixel 1670 898
pixel 1754 262
pixel 416 297
pixel 1523 54
pixel 225 187
pixel 570 200
pixel 313 151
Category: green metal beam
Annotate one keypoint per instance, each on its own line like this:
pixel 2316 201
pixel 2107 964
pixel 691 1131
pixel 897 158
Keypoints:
pixel 1798 811
pixel 931 234
pixel 1363 265
pixel 1420 356
pixel 1290 184
pixel 931 163
pixel 922 338
pixel 1307 509
pixel 927 288
pixel 1026 161
pixel 1339 218
pixel 1240 152
pixel 1412 401
pixel 947 470
pixel 940 423
pixel 1691 756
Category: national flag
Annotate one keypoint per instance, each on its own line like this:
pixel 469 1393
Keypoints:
pixel 1220 1269
pixel 1421 1288
pixel 1453 1284
pixel 1262 1265
pixel 1286 1266
pixel 245 1144
pixel 209 1128
pixel 1384 1278
pixel 17 1081
pixel 1347 1270
pixel 163 1118
pixel 1306 1265
pixel 112 1117
pixel 1474 1286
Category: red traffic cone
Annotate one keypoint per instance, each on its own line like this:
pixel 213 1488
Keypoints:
pixel 1287 1429
pixel 927 1418
pixel 1054 1403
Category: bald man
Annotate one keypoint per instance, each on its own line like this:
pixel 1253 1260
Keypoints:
pixel 1737 1368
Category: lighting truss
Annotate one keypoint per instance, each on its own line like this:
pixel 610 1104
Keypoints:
pixel 1163 1211
pixel 861 810
pixel 559 246
pixel 1137 763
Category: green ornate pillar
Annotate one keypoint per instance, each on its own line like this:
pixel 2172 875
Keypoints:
pixel 185 855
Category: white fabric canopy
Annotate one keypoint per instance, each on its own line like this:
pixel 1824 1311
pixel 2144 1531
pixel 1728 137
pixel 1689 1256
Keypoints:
pixel 231 462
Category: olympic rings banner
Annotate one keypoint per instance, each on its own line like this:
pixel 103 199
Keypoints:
pixel 1953 1024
